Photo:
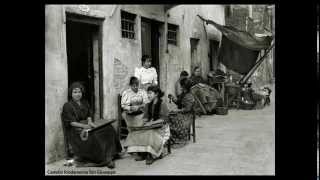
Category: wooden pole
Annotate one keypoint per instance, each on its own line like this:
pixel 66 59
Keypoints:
pixel 245 78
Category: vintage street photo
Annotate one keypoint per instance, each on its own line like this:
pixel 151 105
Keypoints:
pixel 160 89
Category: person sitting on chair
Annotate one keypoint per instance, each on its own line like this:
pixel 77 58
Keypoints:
pixel 149 142
pixel 100 148
pixel 179 126
pixel 133 101
pixel 196 76
pixel 177 86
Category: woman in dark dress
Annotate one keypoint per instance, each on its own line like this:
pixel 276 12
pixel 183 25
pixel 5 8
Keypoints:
pixel 101 146
pixel 181 119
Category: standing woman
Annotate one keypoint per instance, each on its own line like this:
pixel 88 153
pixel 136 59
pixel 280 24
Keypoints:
pixel 149 143
pixel 182 119
pixel 101 147
pixel 146 74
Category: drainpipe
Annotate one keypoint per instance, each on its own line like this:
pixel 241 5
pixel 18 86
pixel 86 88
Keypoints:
pixel 166 30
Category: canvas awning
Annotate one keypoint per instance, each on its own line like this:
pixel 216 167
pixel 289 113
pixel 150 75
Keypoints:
pixel 239 50
pixel 168 6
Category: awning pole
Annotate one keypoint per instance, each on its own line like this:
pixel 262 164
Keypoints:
pixel 245 78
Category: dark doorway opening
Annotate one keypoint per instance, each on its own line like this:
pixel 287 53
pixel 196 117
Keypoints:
pixel 150 41
pixel 195 61
pixel 84 58
pixel 214 47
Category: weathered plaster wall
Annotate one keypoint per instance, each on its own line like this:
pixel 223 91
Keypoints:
pixel 125 52
pixel 120 56
pixel 56 81
pixel 178 57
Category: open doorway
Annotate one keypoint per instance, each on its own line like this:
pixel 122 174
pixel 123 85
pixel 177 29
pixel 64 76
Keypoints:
pixel 195 61
pixel 214 47
pixel 84 58
pixel 150 41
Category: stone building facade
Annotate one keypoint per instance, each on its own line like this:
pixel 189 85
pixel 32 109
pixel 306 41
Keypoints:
pixel 102 44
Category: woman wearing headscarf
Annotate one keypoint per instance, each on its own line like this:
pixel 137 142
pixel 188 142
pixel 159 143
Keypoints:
pixel 100 147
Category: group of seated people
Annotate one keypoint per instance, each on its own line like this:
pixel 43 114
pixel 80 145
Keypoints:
pixel 142 105
pixel 207 94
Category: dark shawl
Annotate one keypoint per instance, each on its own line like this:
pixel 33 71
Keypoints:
pixel 156 111
pixel 72 112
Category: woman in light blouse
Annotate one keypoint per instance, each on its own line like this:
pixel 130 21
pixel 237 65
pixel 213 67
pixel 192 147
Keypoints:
pixel 133 101
pixel 146 74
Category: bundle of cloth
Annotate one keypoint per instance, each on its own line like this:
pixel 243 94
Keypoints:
pixel 207 98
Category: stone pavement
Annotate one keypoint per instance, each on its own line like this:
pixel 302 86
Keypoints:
pixel 241 143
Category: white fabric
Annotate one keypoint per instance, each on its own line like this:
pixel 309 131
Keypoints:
pixel 129 97
pixel 146 75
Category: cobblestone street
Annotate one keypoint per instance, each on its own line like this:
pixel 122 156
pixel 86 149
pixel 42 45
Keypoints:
pixel 241 143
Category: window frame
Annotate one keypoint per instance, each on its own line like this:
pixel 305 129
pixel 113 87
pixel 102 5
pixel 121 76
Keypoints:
pixel 128 20
pixel 173 30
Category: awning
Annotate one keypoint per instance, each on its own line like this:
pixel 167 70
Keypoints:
pixel 169 6
pixel 242 38
pixel 239 50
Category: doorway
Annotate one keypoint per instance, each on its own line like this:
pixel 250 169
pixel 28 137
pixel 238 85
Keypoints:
pixel 214 47
pixel 150 41
pixel 195 61
pixel 84 58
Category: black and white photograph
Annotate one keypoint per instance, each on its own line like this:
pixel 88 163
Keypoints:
pixel 160 89
pixel 318 102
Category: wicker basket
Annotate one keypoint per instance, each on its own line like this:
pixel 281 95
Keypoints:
pixel 221 110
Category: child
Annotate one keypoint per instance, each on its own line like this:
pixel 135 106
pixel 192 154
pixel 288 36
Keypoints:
pixel 267 101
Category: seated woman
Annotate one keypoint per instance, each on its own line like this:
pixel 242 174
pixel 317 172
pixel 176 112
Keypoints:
pixel 196 76
pixel 101 147
pixel 133 101
pixel 180 124
pixel 177 86
pixel 149 143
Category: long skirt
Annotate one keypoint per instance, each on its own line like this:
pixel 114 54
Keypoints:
pixel 151 140
pixel 180 127
pixel 133 120
pixel 100 146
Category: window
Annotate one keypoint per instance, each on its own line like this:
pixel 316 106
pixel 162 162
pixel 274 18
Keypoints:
pixel 172 34
pixel 127 24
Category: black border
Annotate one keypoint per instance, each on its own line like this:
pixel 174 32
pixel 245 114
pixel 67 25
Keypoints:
pixel 296 93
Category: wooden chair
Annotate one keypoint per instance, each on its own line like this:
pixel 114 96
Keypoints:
pixel 122 126
pixel 193 126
